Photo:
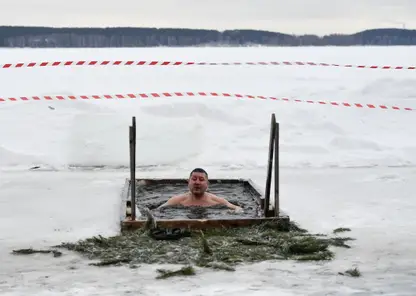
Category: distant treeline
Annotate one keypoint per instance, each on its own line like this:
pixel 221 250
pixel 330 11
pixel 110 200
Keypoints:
pixel 150 37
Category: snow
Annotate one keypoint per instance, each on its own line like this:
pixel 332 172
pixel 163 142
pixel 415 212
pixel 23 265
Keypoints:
pixel 341 167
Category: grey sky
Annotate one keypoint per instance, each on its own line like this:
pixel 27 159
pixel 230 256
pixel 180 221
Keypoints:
pixel 288 16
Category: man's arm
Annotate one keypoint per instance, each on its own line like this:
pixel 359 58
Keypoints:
pixel 225 202
pixel 175 200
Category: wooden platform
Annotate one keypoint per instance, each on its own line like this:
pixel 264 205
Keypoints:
pixel 262 215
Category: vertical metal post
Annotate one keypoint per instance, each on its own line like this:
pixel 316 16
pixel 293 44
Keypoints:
pixel 276 172
pixel 269 166
pixel 132 138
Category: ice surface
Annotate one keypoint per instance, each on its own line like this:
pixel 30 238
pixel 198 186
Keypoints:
pixel 210 131
pixel 342 167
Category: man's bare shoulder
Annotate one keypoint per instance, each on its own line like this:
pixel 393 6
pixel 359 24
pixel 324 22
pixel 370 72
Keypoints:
pixel 176 199
pixel 179 197
pixel 216 198
pixel 223 201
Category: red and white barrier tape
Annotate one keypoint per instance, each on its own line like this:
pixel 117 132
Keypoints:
pixel 181 63
pixel 201 94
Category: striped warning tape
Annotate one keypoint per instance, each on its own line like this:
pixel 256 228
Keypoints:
pixel 181 63
pixel 201 94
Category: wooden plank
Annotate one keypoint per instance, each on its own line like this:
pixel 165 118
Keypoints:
pixel 269 167
pixel 132 139
pixel 133 175
pixel 276 173
pixel 205 223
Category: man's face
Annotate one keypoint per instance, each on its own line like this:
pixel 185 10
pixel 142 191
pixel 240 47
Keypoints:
pixel 198 183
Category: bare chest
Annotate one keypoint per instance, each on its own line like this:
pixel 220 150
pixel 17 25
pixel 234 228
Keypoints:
pixel 202 203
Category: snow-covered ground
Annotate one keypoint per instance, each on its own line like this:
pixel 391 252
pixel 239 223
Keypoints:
pixel 341 167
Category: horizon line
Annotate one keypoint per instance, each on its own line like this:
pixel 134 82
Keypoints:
pixel 187 28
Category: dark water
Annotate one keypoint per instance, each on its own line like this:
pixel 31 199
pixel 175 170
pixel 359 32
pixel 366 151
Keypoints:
pixel 240 194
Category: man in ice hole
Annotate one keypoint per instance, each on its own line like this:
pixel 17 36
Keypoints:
pixel 197 195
